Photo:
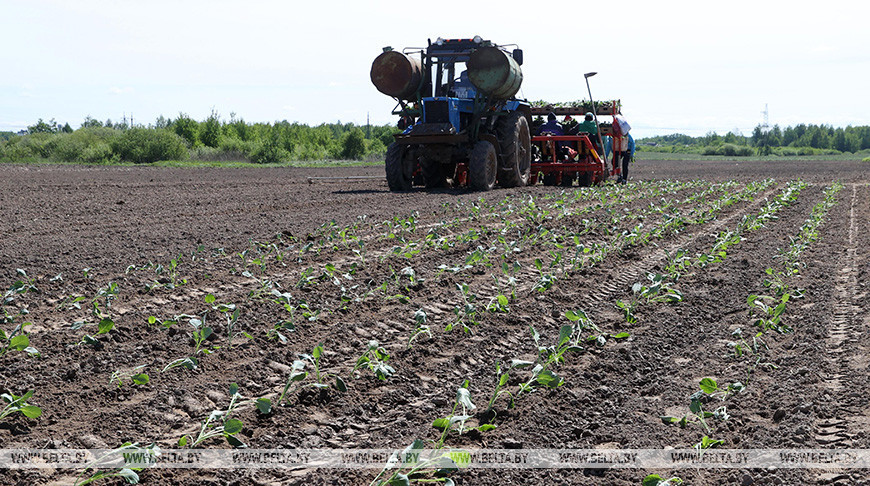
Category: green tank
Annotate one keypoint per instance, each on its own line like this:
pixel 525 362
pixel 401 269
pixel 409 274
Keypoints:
pixel 494 72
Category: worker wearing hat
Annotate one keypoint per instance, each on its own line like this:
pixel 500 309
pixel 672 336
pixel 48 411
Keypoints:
pixel 552 126
pixel 590 128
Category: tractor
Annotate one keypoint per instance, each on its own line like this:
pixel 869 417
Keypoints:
pixel 461 122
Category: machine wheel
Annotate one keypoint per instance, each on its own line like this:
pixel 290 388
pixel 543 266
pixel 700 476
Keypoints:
pixel 515 143
pixel 585 179
pixel 568 179
pixel 398 178
pixel 551 178
pixel 482 166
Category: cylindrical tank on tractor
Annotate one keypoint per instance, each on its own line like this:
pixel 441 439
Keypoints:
pixel 495 72
pixel 395 74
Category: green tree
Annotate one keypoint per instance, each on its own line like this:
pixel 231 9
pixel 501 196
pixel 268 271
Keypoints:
pixel 187 128
pixel 354 144
pixel 91 123
pixel 210 130
pixel 43 127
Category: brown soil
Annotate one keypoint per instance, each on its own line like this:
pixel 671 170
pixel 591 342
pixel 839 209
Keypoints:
pixel 120 223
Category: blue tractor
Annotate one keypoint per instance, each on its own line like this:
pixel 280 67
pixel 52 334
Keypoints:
pixel 462 124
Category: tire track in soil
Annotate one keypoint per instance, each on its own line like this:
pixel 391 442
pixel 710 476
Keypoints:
pixel 633 272
pixel 842 345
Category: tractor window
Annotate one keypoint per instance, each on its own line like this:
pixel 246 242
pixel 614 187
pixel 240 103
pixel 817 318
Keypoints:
pixel 444 79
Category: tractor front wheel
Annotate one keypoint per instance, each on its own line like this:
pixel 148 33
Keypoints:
pixel 398 178
pixel 482 166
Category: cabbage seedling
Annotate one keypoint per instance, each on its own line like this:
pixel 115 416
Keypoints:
pixel 14 403
pixel 708 443
pixel 457 421
pixel 134 375
pixel 708 387
pixel 421 319
pixel 219 424
pixel 466 312
pixel 127 450
pixel 103 327
pixel 409 468
pixel 501 382
pixel 200 334
pixel 16 340
pixel 298 374
pixel 769 311
pixel 375 358
pixel 231 313
pixel 656 480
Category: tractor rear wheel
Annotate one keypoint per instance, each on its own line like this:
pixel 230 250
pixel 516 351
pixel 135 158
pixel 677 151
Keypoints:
pixel 482 166
pixel 398 178
pixel 515 143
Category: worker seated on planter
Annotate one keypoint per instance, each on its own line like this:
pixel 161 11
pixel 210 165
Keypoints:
pixel 552 127
pixel 589 127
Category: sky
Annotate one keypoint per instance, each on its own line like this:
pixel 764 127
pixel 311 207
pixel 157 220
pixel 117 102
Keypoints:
pixel 678 66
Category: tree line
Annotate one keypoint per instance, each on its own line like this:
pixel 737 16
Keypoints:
pixel 182 137
pixel 801 139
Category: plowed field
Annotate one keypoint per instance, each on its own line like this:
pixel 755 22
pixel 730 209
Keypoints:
pixel 612 304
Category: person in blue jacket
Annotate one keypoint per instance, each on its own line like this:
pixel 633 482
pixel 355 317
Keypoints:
pixel 626 154
pixel 552 126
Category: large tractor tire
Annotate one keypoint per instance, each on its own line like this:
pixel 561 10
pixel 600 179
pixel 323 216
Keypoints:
pixel 399 174
pixel 482 166
pixel 515 143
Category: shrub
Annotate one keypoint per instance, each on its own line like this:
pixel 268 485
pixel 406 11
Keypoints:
pixel 728 150
pixel 142 145
pixel 308 151
pixel 236 146
pixel 219 154
pixel 99 153
pixel 13 151
pixel 269 152
pixel 353 144
pixel 865 159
